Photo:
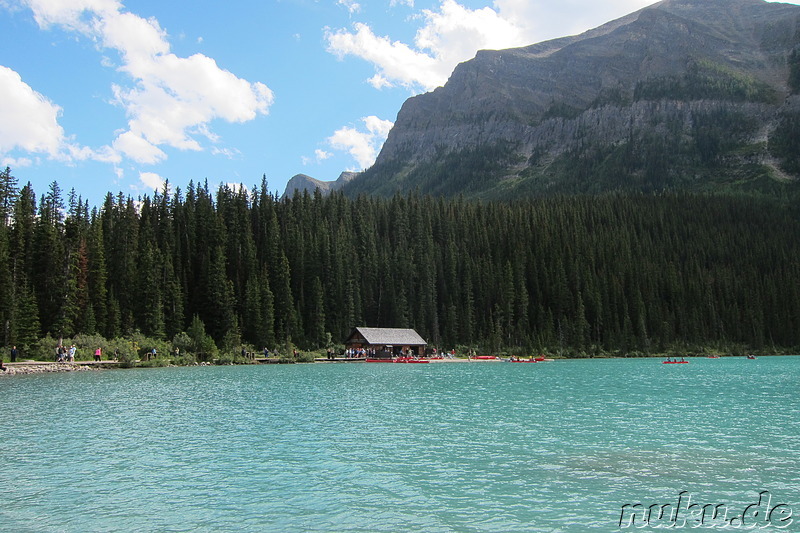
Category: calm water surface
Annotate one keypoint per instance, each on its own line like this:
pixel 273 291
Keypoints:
pixel 362 447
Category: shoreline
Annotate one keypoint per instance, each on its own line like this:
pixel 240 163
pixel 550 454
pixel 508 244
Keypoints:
pixel 31 366
pixel 45 367
pixel 42 367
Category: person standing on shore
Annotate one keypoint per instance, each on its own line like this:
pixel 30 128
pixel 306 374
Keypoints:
pixel 14 354
pixel 98 354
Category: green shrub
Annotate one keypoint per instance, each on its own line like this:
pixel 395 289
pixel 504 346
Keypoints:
pixel 43 350
pixel 155 362
pixel 126 351
pixel 184 359
pixel 307 357
pixel 147 344
pixel 182 342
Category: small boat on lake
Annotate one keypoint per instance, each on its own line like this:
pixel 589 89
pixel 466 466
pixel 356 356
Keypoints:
pixel 751 356
pixel 540 359
pixel 675 361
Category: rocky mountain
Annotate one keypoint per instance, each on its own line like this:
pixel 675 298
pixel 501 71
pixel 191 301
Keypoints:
pixel 302 182
pixel 694 94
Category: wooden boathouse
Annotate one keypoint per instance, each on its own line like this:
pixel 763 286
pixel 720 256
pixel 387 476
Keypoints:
pixel 384 343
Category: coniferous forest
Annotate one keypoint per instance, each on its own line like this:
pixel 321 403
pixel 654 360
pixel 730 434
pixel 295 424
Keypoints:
pixel 579 275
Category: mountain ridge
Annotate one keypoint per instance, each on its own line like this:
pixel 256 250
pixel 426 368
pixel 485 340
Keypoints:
pixel 682 94
pixel 304 182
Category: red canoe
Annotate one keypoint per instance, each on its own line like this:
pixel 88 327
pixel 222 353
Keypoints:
pixel 398 360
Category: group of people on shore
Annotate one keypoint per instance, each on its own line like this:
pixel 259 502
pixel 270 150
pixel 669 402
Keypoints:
pixel 358 353
pixel 67 355
pixel 64 354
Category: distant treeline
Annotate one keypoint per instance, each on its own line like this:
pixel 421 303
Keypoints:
pixel 583 275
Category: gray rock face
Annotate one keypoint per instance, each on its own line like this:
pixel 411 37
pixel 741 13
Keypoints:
pixel 302 182
pixel 653 72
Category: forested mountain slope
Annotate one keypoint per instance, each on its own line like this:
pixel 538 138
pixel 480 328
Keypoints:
pixel 697 95
pixel 570 274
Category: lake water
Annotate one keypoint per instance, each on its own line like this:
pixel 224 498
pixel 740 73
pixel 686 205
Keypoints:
pixel 559 446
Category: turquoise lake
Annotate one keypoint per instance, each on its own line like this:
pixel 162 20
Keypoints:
pixel 559 446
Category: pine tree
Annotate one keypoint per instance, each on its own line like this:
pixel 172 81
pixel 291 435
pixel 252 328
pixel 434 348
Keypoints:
pixel 150 308
pixel 318 325
pixel 8 196
pixel 268 308
pixel 98 276
pixel 219 305
pixel 26 327
pixel 50 264
pixel 253 326
pixel 202 345
pixel 7 295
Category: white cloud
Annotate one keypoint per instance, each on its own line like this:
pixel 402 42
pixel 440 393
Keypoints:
pixel 229 153
pixel 322 155
pixel 363 146
pixel 172 99
pixel 70 13
pixel 319 156
pixel 30 124
pixel 393 60
pixel 152 181
pixel 351 5
pixel 379 81
pixel 453 33
pixel 30 121
pixel 15 162
pixel 73 152
pixel 549 20
pixel 448 36
pixel 138 148
pixel 237 187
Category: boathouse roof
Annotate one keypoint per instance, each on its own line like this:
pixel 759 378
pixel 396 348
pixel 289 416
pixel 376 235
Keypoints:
pixel 386 337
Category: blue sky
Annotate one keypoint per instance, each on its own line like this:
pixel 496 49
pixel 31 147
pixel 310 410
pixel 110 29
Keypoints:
pixel 120 95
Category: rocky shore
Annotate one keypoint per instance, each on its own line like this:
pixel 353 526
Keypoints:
pixel 10 369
